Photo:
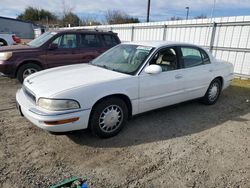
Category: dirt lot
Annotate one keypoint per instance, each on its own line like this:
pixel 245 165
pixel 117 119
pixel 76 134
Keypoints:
pixel 187 145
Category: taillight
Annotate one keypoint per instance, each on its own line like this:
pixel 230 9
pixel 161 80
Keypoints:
pixel 16 39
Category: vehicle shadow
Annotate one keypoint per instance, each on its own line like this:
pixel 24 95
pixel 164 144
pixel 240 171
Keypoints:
pixel 174 121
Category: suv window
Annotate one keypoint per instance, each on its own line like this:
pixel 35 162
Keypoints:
pixel 90 41
pixel 191 57
pixel 66 41
pixel 110 40
pixel 166 58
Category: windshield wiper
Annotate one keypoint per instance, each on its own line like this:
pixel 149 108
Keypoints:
pixel 102 66
pixel 109 68
pixel 116 70
pixel 106 67
pixel 95 64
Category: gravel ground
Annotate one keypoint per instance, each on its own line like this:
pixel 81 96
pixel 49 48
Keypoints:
pixel 186 145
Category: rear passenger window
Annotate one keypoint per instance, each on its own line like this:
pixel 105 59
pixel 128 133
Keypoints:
pixel 110 40
pixel 191 57
pixel 90 41
pixel 205 57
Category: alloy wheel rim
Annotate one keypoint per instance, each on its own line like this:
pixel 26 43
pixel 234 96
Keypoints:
pixel 111 118
pixel 213 92
pixel 28 72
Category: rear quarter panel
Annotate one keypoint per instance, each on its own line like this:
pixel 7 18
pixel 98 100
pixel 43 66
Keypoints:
pixel 225 70
pixel 7 38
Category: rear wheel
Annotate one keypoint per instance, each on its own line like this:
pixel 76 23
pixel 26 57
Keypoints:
pixel 108 117
pixel 26 70
pixel 213 92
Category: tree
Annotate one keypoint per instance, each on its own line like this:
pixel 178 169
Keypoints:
pixel 66 8
pixel 202 16
pixel 36 15
pixel 119 17
pixel 68 17
pixel 72 19
pixel 175 18
pixel 88 20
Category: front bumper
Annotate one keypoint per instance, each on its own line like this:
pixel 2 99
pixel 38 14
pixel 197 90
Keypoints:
pixel 6 68
pixel 38 116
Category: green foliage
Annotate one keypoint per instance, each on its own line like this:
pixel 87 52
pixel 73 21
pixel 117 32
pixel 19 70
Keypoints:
pixel 71 18
pixel 202 16
pixel 119 17
pixel 41 16
pixel 36 15
pixel 175 18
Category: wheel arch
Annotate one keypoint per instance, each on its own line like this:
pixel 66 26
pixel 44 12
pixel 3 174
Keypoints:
pixel 221 79
pixel 27 62
pixel 123 97
pixel 4 41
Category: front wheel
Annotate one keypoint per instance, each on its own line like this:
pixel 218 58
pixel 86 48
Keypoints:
pixel 26 70
pixel 213 92
pixel 108 117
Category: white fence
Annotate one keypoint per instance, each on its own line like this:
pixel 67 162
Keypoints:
pixel 226 37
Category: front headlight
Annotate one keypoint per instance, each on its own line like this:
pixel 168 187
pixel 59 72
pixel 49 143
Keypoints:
pixel 58 104
pixel 5 56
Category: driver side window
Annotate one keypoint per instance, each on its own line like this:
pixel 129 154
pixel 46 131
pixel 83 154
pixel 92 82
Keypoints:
pixel 166 58
pixel 66 41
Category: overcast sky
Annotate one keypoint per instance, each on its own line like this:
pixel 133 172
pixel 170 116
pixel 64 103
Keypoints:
pixel 160 9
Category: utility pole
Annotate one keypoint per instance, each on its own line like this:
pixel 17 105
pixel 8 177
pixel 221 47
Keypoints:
pixel 47 19
pixel 187 13
pixel 212 12
pixel 148 12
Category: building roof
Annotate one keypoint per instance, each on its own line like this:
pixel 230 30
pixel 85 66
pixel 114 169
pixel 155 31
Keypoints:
pixel 13 19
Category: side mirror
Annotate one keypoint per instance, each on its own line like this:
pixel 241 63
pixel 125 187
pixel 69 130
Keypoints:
pixel 53 46
pixel 153 69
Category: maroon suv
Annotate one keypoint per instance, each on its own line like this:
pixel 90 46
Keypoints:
pixel 54 48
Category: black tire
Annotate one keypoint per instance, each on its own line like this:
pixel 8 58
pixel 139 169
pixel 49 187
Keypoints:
pixel 98 119
pixel 213 92
pixel 24 68
pixel 3 42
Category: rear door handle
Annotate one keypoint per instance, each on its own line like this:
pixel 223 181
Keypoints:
pixel 178 76
pixel 211 70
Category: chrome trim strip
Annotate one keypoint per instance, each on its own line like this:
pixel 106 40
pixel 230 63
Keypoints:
pixel 38 112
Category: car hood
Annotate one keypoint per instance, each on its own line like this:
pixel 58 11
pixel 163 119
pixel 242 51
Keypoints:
pixel 52 81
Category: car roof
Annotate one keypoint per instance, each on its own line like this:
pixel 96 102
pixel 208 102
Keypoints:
pixel 158 44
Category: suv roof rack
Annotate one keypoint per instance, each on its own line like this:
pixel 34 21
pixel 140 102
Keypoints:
pixel 94 29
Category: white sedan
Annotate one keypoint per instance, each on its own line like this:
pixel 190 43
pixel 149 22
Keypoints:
pixel 129 79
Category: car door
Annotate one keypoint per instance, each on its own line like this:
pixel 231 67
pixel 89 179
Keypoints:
pixel 197 71
pixel 90 47
pixel 165 88
pixel 65 53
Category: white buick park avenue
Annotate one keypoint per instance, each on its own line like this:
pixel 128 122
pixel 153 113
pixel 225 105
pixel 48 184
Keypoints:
pixel 129 79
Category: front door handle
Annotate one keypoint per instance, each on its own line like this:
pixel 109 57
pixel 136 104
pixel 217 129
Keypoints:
pixel 178 76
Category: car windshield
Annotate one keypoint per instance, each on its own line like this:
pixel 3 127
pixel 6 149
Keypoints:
pixel 124 58
pixel 41 39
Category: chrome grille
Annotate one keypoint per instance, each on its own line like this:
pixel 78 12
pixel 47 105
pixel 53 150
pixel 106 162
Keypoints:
pixel 31 96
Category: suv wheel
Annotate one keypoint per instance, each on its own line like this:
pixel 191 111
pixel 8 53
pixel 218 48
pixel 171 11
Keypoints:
pixel 26 70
